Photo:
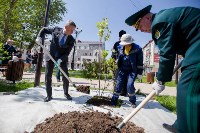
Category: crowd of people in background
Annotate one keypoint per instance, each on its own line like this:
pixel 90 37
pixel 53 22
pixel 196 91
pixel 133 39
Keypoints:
pixel 15 54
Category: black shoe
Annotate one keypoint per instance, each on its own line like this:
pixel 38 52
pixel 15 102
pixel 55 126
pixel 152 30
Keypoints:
pixel 123 94
pixel 170 128
pixel 47 99
pixel 68 96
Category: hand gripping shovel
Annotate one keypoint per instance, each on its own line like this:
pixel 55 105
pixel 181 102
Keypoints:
pixel 47 52
pixel 143 103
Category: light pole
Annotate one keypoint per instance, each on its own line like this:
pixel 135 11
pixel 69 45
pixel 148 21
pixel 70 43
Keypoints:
pixel 72 63
pixel 40 54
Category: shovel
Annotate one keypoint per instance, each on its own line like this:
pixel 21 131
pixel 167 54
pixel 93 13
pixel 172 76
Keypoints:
pixel 119 127
pixel 47 52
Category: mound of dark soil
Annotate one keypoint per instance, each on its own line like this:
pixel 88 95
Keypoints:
pixel 84 89
pixel 102 100
pixel 88 122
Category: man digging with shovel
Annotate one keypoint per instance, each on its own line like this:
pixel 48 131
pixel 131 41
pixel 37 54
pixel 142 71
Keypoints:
pixel 176 31
pixel 61 44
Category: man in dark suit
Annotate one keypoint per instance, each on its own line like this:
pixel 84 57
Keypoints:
pixel 60 47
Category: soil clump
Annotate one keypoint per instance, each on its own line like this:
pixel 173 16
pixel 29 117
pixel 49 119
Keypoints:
pixel 87 122
pixel 84 89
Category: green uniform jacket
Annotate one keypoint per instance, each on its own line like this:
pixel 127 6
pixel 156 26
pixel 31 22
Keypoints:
pixel 176 31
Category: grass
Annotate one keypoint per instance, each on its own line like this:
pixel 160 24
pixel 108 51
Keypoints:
pixel 168 102
pixel 169 84
pixel 76 74
pixel 15 87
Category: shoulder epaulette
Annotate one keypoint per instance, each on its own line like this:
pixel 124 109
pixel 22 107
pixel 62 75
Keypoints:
pixel 58 30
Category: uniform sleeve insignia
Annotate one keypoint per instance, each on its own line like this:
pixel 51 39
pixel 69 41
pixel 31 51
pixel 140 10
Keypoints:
pixel 157 34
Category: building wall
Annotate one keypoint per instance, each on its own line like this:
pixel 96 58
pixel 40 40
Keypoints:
pixel 151 57
pixel 85 50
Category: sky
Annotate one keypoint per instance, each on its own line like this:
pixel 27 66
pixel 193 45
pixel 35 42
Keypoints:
pixel 86 13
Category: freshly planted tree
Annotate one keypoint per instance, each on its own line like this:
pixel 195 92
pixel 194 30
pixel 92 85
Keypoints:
pixel 104 35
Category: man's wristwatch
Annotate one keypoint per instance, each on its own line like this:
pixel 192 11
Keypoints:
pixel 161 83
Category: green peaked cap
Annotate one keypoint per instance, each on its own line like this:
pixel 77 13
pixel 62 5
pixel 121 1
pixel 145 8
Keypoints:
pixel 131 20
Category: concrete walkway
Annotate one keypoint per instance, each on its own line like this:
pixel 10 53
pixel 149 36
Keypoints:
pixel 26 108
pixel 108 85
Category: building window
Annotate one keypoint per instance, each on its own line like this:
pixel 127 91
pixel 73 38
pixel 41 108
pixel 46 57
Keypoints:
pixel 90 54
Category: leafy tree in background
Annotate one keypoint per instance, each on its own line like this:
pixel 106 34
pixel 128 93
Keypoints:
pixel 3 54
pixel 15 14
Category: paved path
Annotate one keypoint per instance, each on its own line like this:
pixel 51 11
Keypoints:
pixel 108 85
pixel 23 111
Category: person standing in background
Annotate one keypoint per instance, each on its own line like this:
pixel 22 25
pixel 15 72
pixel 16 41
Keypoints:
pixel 8 47
pixel 34 61
pixel 115 53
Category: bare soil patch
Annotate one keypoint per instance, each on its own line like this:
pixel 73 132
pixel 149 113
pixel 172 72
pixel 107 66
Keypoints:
pixel 102 101
pixel 84 89
pixel 87 122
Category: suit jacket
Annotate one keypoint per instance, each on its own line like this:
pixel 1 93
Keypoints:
pixel 58 51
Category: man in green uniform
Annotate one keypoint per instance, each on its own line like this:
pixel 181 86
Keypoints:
pixel 176 31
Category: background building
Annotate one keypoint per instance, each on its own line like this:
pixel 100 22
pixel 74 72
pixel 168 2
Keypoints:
pixel 151 57
pixel 85 50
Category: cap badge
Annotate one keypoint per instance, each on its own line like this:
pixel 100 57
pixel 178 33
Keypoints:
pixel 157 34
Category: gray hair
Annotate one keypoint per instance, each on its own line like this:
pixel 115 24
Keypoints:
pixel 70 22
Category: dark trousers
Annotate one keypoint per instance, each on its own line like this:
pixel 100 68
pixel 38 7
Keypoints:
pixel 130 86
pixel 124 87
pixel 188 100
pixel 48 77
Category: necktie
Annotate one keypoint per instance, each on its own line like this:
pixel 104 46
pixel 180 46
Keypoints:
pixel 62 40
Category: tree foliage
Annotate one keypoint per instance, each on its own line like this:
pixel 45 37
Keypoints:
pixel 108 66
pixel 22 19
pixel 104 31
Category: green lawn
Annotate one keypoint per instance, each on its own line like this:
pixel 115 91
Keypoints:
pixel 170 84
pixel 168 102
pixel 4 87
